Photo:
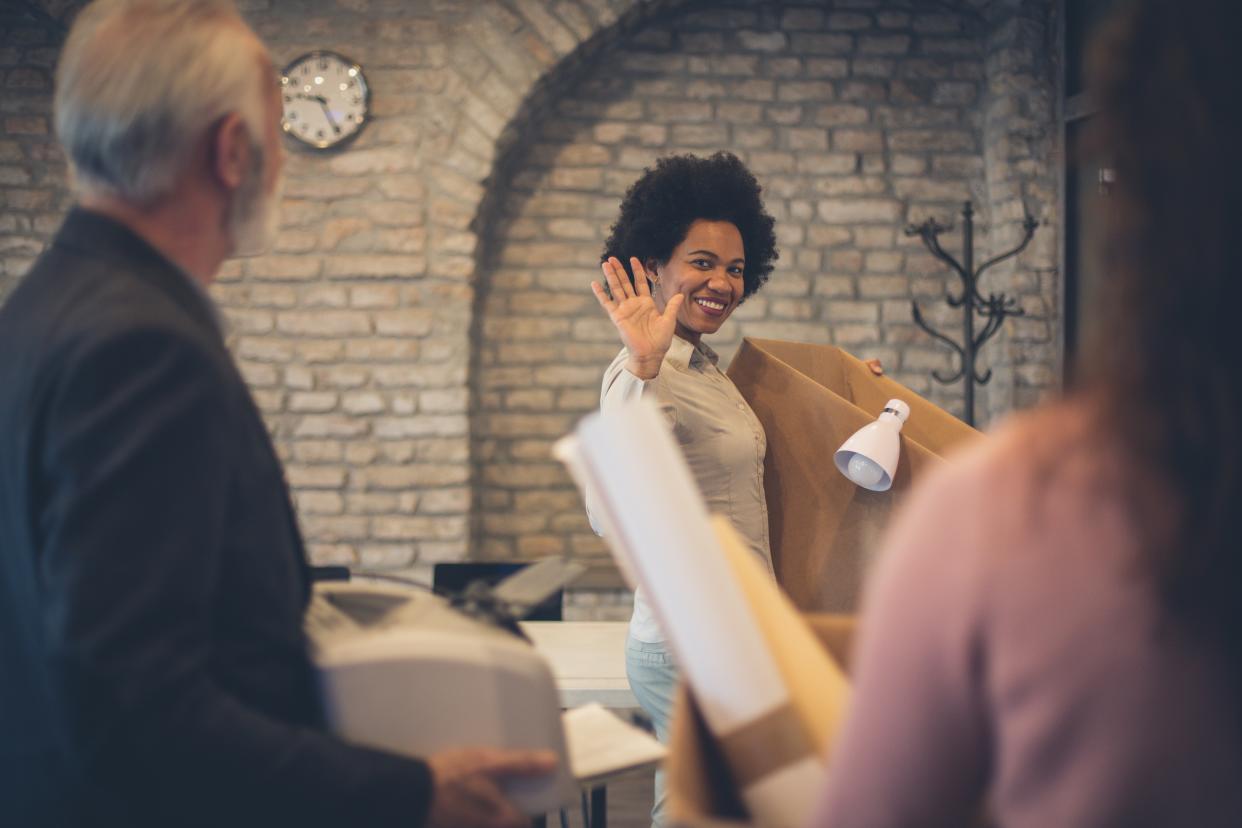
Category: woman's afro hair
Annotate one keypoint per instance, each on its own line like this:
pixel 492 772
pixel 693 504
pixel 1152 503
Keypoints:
pixel 659 208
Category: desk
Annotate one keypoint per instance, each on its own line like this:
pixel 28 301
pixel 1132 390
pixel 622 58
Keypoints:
pixel 587 658
pixel 588 661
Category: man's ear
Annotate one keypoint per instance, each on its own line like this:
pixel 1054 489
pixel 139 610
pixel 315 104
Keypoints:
pixel 231 150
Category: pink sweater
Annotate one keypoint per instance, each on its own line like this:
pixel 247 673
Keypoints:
pixel 1012 651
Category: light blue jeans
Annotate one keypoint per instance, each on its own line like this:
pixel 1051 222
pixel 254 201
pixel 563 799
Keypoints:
pixel 653 678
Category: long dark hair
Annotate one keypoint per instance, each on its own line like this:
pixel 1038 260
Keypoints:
pixel 1166 77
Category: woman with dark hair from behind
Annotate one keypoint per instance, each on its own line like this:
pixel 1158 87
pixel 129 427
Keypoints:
pixel 1055 627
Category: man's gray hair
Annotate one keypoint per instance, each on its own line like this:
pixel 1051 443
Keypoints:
pixel 139 82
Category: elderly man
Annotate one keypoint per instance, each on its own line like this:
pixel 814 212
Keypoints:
pixel 153 668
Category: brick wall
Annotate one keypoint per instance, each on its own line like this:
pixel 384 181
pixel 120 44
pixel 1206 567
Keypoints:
pixel 423 329
pixel 1022 151
pixel 32 192
pixel 857 118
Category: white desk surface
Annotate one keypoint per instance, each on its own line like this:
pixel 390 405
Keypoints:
pixel 588 660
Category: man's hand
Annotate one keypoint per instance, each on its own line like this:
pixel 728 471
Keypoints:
pixel 466 793
pixel 875 366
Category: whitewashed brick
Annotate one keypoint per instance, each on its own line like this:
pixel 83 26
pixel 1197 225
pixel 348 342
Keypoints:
pixel 860 211
pixel 284 267
pixel 386 556
pixel 312 401
pixel 319 503
pixel 362 266
pixel 330 426
pixel 362 402
pixel 323 323
pixel 399 528
pixel 412 476
pixel 315 476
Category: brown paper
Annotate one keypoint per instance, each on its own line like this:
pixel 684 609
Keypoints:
pixel 811 399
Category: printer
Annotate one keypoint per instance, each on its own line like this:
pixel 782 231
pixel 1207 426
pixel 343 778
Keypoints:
pixel 404 671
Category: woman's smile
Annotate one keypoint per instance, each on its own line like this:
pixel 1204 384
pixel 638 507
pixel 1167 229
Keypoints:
pixel 710 306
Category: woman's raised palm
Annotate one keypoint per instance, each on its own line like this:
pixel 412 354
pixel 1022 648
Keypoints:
pixel 645 331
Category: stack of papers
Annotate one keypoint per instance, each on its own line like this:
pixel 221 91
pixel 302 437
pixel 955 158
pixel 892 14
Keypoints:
pixel 601 745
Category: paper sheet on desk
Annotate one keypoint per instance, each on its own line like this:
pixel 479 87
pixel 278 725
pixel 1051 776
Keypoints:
pixel 601 744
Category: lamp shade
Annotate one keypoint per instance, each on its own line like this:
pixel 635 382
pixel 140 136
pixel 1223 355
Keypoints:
pixel 869 458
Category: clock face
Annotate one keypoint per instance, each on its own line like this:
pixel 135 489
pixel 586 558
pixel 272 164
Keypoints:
pixel 326 99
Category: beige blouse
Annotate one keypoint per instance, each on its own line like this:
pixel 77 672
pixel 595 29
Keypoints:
pixel 722 439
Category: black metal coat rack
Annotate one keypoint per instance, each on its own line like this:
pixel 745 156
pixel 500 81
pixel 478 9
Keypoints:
pixel 994 308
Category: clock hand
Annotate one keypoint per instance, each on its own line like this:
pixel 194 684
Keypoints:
pixel 323 103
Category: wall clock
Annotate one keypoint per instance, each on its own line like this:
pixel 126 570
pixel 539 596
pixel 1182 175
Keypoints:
pixel 326 99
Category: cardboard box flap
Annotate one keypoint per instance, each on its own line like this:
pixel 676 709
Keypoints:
pixel 699 781
pixel 810 399
pixel 702 790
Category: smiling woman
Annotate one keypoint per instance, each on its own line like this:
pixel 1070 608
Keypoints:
pixel 695 241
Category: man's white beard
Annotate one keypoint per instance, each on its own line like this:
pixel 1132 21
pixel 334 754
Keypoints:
pixel 254 216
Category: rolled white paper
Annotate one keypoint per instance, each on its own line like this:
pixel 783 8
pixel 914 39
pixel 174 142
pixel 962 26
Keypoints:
pixel 657 526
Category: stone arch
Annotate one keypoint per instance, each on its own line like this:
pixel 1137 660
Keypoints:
pixel 497 115
pixel 505 64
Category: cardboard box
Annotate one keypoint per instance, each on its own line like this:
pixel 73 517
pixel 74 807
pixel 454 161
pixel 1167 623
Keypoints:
pixel 702 792
pixel 701 789
pixel 810 399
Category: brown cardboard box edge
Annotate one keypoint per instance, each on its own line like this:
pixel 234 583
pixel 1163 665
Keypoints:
pixel 702 792
pixel 701 789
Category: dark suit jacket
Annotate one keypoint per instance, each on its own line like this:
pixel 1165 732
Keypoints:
pixel 153 668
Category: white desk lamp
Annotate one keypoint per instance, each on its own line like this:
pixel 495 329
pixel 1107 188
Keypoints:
pixel 869 458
